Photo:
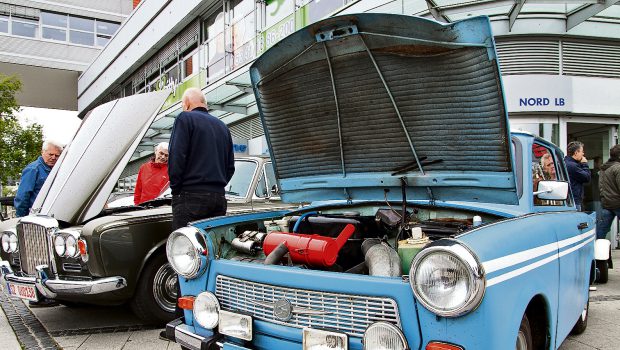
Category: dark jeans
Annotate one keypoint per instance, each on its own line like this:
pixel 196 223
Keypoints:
pixel 604 221
pixel 188 206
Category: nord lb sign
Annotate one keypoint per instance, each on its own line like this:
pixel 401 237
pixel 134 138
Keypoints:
pixel 538 93
pixel 541 101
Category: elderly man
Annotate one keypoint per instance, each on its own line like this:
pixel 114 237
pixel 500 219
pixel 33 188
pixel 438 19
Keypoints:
pixel 34 175
pixel 153 176
pixel 201 162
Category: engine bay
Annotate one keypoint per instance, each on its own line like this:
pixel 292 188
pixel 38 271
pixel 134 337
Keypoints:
pixel 369 240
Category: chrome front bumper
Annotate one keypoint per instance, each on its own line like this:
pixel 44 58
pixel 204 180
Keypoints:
pixel 51 288
pixel 180 333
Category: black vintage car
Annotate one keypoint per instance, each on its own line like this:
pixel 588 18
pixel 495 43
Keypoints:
pixel 76 249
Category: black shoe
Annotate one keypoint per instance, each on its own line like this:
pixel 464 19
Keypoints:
pixel 162 336
pixel 43 303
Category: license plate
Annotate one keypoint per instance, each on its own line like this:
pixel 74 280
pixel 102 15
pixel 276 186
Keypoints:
pixel 22 291
pixel 318 339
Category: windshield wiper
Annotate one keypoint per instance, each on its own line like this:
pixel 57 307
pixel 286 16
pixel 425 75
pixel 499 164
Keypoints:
pixel 414 165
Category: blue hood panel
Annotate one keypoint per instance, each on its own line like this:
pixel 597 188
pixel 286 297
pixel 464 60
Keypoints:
pixel 354 106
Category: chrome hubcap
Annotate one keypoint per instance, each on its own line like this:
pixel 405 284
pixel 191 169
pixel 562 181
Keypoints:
pixel 164 288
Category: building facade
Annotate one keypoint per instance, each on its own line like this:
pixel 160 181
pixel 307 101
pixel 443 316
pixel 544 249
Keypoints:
pixel 559 60
pixel 49 43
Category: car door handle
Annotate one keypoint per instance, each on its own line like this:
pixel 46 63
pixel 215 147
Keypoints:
pixel 582 226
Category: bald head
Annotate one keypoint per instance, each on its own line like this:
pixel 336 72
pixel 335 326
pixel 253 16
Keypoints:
pixel 193 98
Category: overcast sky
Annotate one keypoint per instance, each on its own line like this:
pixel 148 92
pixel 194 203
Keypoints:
pixel 57 124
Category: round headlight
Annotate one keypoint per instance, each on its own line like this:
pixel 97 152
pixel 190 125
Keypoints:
pixel 5 242
pixel 185 253
pixel 207 310
pixel 59 245
pixel 13 243
pixel 447 279
pixel 71 247
pixel 384 336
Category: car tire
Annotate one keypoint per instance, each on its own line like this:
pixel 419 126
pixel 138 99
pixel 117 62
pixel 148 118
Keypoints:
pixel 603 270
pixel 524 336
pixel 582 321
pixel 155 297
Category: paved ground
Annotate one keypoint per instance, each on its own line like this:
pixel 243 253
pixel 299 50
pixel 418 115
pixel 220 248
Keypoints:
pixel 112 328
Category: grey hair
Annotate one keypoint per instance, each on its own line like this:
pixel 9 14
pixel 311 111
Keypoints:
pixel 49 142
pixel 194 95
pixel 161 145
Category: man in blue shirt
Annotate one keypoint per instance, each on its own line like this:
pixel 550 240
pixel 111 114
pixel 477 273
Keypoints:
pixel 578 171
pixel 34 175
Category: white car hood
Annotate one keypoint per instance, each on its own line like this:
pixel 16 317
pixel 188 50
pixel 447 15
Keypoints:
pixel 79 184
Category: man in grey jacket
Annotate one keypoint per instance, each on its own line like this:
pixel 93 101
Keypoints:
pixel 609 184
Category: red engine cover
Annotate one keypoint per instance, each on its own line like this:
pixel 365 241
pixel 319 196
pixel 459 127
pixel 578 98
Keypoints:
pixel 313 250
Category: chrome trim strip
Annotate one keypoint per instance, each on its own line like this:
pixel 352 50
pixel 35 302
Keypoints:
pixel 51 288
pixel 98 286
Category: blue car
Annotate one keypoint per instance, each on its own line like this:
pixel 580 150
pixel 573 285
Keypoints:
pixel 431 225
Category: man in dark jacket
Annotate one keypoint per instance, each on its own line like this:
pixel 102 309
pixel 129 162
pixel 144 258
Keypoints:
pixel 578 171
pixel 201 162
pixel 34 176
pixel 609 185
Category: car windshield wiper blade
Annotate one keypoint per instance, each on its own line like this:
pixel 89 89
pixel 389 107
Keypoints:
pixel 414 165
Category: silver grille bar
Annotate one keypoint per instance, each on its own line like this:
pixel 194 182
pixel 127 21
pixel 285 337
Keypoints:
pixel 34 243
pixel 350 314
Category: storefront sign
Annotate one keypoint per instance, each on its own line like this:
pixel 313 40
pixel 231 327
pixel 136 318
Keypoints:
pixel 538 93
pixel 541 101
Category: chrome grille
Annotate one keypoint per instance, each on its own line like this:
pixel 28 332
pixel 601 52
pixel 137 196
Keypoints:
pixel 33 246
pixel 350 314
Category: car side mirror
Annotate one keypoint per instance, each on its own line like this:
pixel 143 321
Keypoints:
pixel 552 190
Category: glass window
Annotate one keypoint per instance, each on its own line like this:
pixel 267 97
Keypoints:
pixel 240 182
pixel 82 38
pixel 320 9
pixel 108 28
pixel 190 65
pixel 272 183
pixel 544 167
pixel 25 27
pixel 54 19
pixel 4 24
pixel 277 11
pixel 102 40
pixel 261 187
pixel 82 24
pixel 54 34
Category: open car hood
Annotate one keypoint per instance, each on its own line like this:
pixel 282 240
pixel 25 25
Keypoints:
pixel 81 181
pixel 354 106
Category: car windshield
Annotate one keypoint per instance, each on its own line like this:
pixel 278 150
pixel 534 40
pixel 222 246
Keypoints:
pixel 242 179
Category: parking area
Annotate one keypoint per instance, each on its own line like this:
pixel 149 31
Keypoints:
pixel 115 328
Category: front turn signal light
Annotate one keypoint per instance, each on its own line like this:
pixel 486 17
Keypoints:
pixel 442 346
pixel 187 302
